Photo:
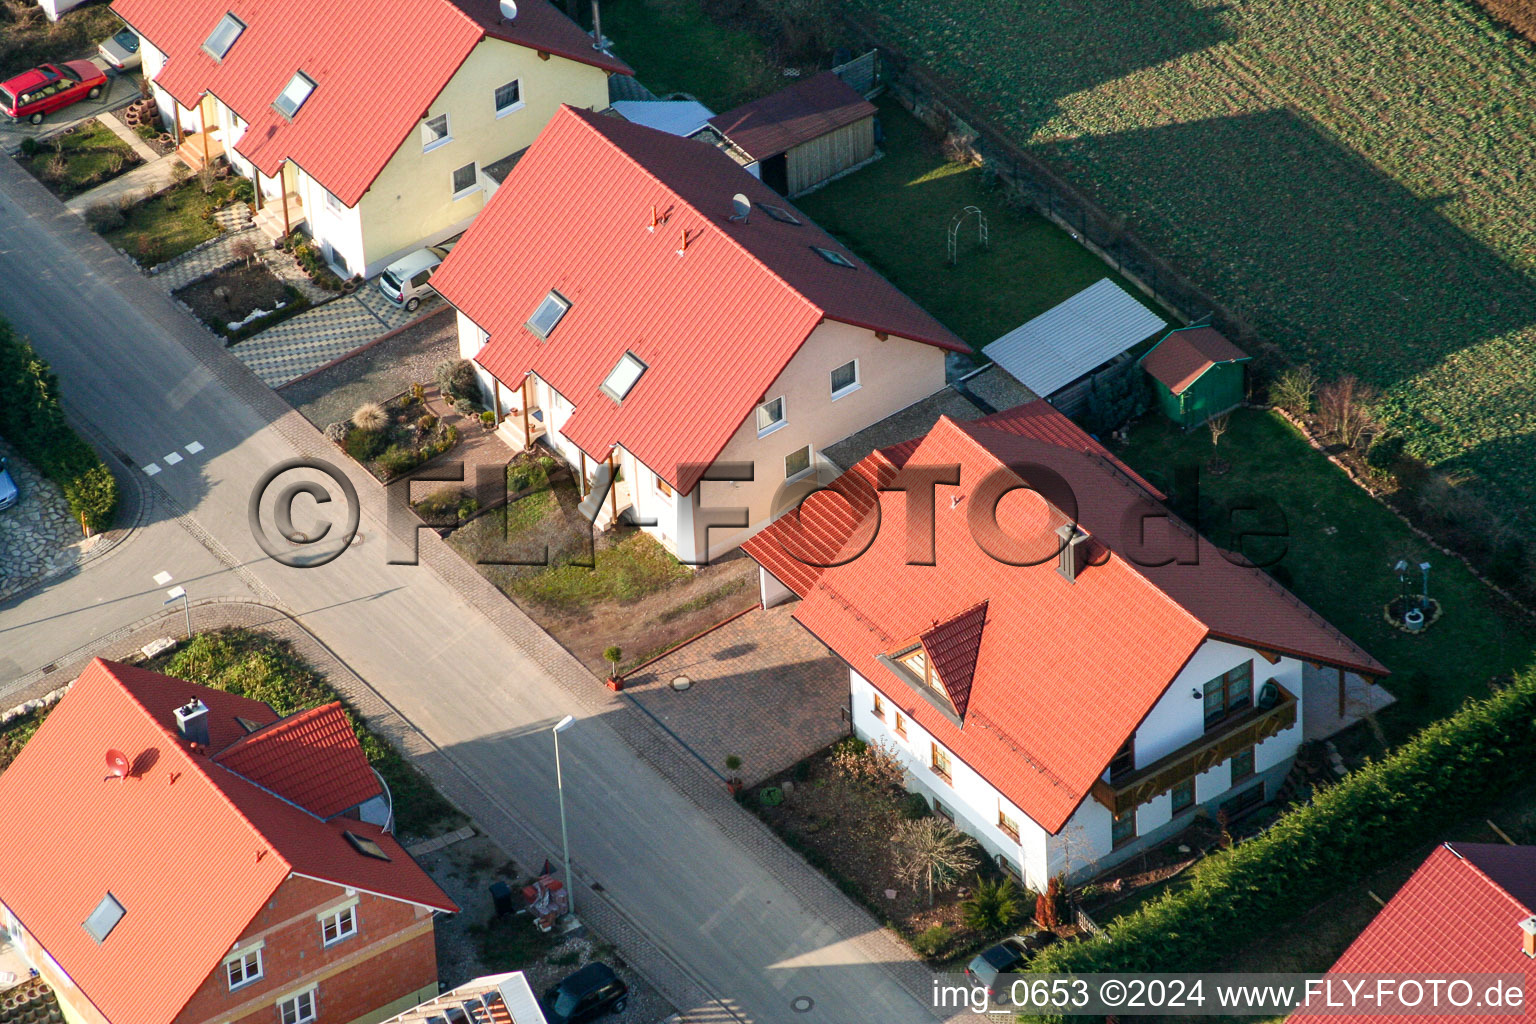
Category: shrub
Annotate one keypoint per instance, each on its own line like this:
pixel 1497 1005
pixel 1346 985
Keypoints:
pixel 1048 905
pixel 1385 451
pixel 370 416
pixel 32 419
pixel 488 418
pixel 336 432
pixel 914 806
pixel 874 766
pixel 614 655
pixel 1294 390
pixel 427 423
pixel 104 217
pixel 456 377
pixel 363 445
pixel 397 459
pixel 993 906
pixel 1451 770
pixel 732 761
pixel 933 941
pixel 1344 407
pixel 30 146
pixel 464 407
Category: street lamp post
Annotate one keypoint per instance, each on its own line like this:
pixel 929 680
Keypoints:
pixel 565 843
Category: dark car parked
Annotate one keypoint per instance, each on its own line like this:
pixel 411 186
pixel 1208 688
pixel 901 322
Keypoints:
pixel 1007 957
pixel 588 993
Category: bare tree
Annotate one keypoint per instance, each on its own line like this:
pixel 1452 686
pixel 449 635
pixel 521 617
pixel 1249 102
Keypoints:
pixel 243 249
pixel 1294 390
pixel 932 852
pixel 1344 406
pixel 1218 425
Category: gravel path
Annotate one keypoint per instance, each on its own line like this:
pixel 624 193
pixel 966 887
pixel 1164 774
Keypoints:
pixel 375 374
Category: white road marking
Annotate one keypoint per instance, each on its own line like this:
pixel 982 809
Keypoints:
pixel 172 459
pixel 194 448
pixel 162 578
pixel 151 469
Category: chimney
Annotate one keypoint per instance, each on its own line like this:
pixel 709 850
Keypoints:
pixel 192 721
pixel 1528 936
pixel 597 27
pixel 1073 557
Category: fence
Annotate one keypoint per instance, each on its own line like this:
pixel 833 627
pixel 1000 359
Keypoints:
pixel 1028 180
pixel 862 73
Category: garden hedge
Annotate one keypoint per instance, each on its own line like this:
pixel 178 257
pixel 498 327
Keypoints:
pixel 1449 771
pixel 32 420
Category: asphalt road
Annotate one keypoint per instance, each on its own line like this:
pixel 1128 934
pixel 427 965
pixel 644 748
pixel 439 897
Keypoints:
pixel 138 370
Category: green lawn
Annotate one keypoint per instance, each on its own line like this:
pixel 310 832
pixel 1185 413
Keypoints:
pixel 896 214
pixel 1337 555
pixel 674 47
pixel 1349 176
pixel 172 222
pixel 627 571
pixel 86 157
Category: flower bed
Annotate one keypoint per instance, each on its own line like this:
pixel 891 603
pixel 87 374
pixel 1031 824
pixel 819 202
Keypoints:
pixel 241 300
pixel 408 436
pixel 78 159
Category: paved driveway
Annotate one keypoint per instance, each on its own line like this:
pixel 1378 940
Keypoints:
pixel 121 91
pixel 760 687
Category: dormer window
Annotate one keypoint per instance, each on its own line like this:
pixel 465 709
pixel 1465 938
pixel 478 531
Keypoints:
pixel 294 94
pixel 223 36
pixel 916 661
pixel 623 377
pixel 831 256
pixel 547 317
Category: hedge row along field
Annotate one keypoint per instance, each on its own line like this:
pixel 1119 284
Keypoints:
pixel 32 420
pixel 1354 177
pixel 1446 773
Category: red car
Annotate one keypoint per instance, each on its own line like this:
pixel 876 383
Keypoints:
pixel 50 87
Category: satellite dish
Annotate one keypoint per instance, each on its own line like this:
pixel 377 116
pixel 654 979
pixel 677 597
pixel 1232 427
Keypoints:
pixel 509 10
pixel 118 764
pixel 742 205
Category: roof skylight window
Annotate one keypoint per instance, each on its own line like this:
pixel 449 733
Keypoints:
pixel 778 213
pixel 294 94
pixel 365 846
pixel 833 257
pixel 547 317
pixel 104 918
pixel 223 36
pixel 623 377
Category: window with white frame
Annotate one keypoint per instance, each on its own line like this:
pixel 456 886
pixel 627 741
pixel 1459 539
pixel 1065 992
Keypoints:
pixel 797 463
pixel 243 968
pixel 623 377
pixel 331 202
pixel 547 317
pixel 223 36
pixel 463 180
pixel 770 416
pixel 339 925
pixel 509 97
pixel 297 1009
pixel 845 379
pixel 434 133
pixel 294 94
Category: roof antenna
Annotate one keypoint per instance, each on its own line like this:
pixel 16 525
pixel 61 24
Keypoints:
pixel 742 207
pixel 508 10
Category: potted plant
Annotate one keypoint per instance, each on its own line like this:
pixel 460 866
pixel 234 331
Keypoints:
pixel 614 655
pixel 733 765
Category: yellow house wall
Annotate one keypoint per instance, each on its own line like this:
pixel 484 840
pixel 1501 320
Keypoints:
pixel 411 203
pixel 893 374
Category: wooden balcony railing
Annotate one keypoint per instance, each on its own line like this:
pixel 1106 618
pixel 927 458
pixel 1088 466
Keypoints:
pixel 1245 730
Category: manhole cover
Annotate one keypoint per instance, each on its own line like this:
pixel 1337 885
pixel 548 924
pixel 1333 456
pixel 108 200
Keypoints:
pixel 681 683
pixel 802 1004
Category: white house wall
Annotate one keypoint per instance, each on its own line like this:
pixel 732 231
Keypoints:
pixel 1084 847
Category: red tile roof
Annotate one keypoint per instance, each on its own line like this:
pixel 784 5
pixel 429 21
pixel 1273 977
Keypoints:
pixel 311 758
pixel 780 121
pixel 1065 671
pixel 714 326
pixel 953 648
pixel 354 121
pixel 1454 916
pixel 1180 358
pixel 183 839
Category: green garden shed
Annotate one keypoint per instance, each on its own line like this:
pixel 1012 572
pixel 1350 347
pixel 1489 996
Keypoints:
pixel 1196 374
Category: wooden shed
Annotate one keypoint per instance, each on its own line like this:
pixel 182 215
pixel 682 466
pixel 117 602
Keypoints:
pixel 1196 373
pixel 805 135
